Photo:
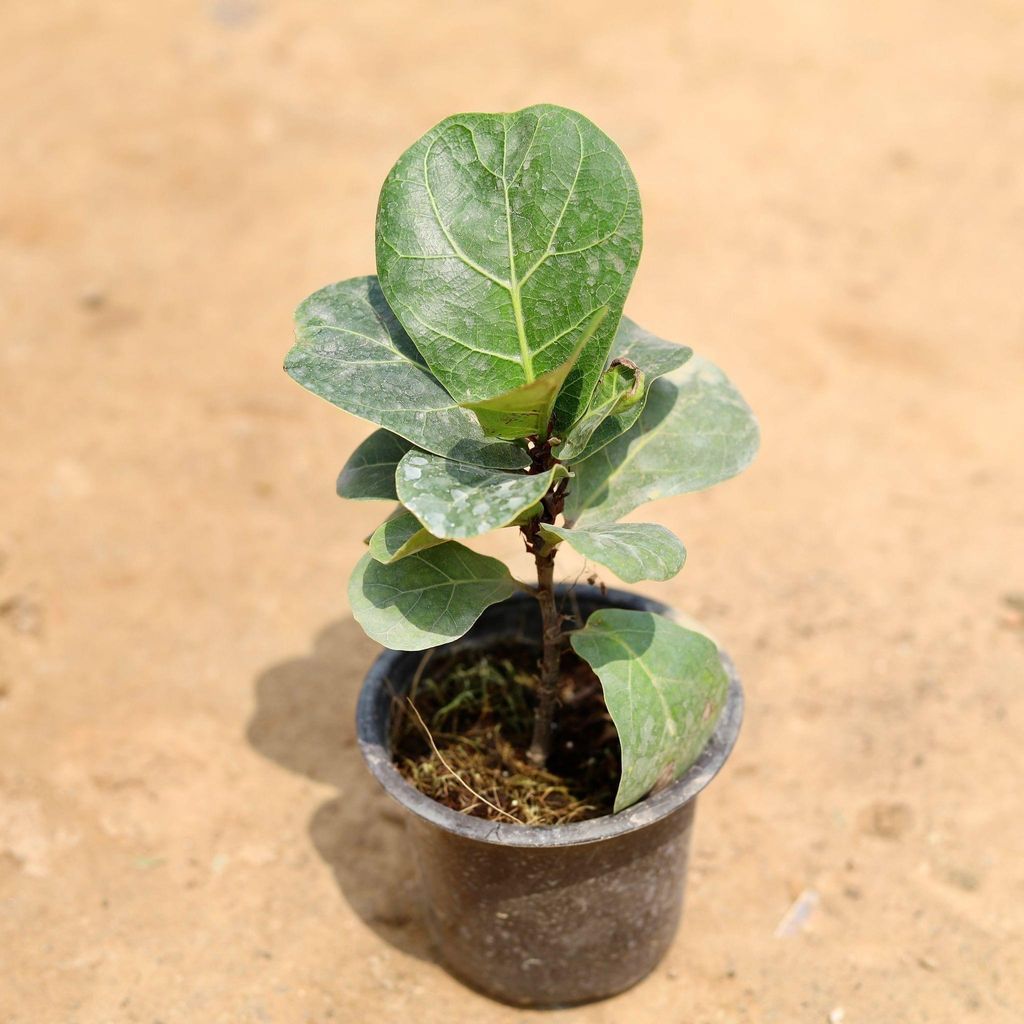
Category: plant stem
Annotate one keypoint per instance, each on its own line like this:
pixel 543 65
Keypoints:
pixel 551 634
pixel 551 621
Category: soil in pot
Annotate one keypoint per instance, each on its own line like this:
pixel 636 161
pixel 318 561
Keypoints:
pixel 462 736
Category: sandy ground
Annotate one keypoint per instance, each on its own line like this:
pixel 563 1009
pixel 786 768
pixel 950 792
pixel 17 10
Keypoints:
pixel 834 212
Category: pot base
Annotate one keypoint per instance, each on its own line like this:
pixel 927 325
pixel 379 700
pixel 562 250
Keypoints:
pixel 554 927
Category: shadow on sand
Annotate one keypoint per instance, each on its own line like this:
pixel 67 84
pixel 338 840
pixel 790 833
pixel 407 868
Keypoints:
pixel 304 720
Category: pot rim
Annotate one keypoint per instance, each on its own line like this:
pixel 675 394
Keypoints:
pixel 372 737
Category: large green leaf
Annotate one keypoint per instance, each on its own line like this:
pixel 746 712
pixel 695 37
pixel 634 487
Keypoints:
pixel 454 500
pixel 498 237
pixel 428 598
pixel 633 551
pixel 604 420
pixel 526 410
pixel 665 688
pixel 695 431
pixel 400 535
pixel 351 350
pixel 369 473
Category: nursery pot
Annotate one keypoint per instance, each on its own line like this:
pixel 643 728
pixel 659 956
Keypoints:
pixel 545 916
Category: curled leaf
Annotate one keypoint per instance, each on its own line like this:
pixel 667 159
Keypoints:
pixel 603 421
pixel 665 688
pixel 400 535
pixel 695 431
pixel 620 388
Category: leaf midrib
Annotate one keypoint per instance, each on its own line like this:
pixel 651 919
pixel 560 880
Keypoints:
pixel 514 285
pixel 634 659
pixel 451 582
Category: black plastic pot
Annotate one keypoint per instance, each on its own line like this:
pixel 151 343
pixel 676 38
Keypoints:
pixel 546 916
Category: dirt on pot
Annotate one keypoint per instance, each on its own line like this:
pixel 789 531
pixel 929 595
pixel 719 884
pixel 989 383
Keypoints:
pixel 462 735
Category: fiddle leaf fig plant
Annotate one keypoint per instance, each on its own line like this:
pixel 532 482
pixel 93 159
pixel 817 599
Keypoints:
pixel 511 392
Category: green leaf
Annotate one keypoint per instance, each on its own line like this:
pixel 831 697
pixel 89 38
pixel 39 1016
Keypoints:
pixel 695 431
pixel 633 551
pixel 600 426
pixel 498 237
pixel 527 514
pixel 654 355
pixel 428 598
pixel 454 500
pixel 369 473
pixel 351 350
pixel 526 411
pixel 665 688
pixel 401 534
pixel 620 388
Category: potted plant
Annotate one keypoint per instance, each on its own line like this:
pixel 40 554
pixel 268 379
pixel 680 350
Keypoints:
pixel 550 744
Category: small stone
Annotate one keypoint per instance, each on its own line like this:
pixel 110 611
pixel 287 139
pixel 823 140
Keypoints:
pixel 23 614
pixel 964 878
pixel 887 819
pixel 837 1016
